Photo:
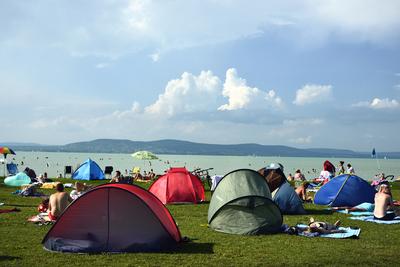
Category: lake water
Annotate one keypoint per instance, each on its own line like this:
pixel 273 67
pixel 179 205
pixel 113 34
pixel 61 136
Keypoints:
pixel 54 162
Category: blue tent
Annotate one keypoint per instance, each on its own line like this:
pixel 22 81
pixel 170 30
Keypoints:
pixel 89 170
pixel 287 200
pixel 345 190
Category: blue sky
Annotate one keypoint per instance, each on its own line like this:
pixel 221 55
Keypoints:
pixel 299 73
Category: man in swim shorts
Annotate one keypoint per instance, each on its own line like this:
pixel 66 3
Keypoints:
pixel 58 202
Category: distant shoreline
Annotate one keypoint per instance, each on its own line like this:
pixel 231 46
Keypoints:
pixel 178 147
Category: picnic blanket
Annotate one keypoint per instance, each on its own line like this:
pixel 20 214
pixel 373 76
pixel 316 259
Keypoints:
pixel 371 219
pixel 349 232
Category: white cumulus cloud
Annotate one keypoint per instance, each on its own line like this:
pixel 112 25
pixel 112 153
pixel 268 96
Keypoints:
pixel 102 65
pixel 378 103
pixel 313 93
pixel 241 96
pixel 303 122
pixel 155 56
pixel 188 94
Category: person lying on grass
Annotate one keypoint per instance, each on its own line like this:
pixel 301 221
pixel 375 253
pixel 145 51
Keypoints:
pixel 323 227
pixel 315 228
pixel 361 207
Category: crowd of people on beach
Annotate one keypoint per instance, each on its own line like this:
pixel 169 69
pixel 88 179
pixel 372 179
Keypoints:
pixel 383 202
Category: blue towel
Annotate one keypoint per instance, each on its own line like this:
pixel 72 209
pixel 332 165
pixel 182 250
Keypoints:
pixel 350 232
pixel 371 219
pixel 356 213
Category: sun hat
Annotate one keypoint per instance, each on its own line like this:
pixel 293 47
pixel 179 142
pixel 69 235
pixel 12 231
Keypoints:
pixel 274 166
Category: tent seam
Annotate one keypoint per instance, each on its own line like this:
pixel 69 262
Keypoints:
pixel 340 189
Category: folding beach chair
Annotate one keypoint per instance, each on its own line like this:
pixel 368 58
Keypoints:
pixel 12 168
pixel 67 170
pixel 108 170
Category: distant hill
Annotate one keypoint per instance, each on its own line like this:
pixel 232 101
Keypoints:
pixel 190 148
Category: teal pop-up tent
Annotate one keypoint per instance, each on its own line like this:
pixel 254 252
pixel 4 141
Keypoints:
pixel 18 179
pixel 89 170
pixel 242 204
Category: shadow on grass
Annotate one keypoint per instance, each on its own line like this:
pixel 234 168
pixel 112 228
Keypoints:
pixel 8 258
pixel 188 203
pixel 318 212
pixel 20 205
pixel 195 248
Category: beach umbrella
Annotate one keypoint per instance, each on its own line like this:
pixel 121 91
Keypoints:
pixel 5 151
pixel 144 155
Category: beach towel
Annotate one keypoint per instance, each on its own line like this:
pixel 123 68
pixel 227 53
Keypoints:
pixel 349 232
pixel 371 219
pixel 41 219
pixel 356 213
pixel 51 185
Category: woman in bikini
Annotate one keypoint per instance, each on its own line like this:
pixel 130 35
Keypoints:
pixel 323 227
pixel 383 203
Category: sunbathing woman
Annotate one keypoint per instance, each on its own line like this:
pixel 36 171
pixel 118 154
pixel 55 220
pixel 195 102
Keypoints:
pixel 384 203
pixel 323 227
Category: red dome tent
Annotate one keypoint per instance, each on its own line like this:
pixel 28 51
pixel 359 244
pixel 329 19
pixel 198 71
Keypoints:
pixel 114 218
pixel 178 186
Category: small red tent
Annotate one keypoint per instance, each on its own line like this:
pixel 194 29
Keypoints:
pixel 114 218
pixel 178 186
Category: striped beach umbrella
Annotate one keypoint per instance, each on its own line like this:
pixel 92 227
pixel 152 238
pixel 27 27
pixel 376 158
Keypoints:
pixel 6 150
pixel 144 155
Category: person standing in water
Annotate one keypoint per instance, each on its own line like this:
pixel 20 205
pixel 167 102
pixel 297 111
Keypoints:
pixel 350 169
pixel 341 169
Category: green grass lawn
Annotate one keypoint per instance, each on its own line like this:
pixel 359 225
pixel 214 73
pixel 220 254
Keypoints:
pixel 20 243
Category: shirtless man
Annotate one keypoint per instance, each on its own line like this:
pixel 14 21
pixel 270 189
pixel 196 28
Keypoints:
pixel 383 202
pixel 58 202
pixel 301 191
